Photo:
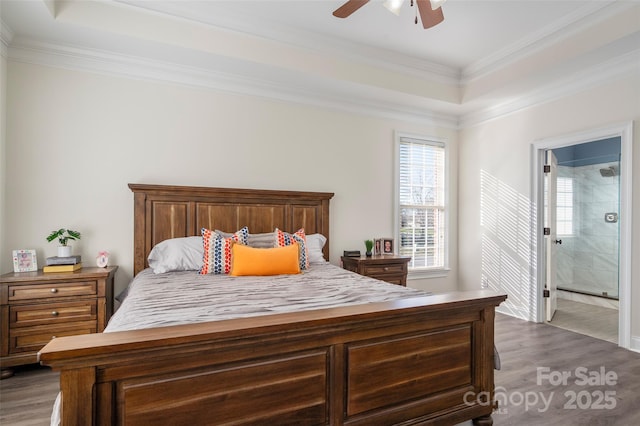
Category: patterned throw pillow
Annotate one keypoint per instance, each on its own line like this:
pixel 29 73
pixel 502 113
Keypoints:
pixel 217 250
pixel 284 239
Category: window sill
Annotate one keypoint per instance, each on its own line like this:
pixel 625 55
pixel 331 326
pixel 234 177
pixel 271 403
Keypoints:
pixel 418 274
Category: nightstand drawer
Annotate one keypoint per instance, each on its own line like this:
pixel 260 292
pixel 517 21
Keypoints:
pixel 389 268
pixel 392 269
pixel 52 313
pixel 52 290
pixel 391 279
pixel 32 339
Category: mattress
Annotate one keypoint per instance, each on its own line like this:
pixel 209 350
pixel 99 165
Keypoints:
pixel 157 300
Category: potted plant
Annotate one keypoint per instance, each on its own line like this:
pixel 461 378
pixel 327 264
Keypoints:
pixel 369 245
pixel 63 236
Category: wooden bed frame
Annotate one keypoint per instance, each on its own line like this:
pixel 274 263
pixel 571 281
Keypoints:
pixel 426 360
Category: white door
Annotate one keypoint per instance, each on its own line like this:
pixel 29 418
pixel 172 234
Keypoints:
pixel 551 183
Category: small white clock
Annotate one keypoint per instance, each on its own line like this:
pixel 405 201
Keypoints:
pixel 103 259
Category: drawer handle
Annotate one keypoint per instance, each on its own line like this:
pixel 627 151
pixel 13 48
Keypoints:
pixel 386 268
pixel 53 337
pixel 54 290
pixel 54 313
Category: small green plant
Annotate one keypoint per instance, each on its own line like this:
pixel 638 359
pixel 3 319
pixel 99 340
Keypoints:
pixel 63 236
pixel 369 245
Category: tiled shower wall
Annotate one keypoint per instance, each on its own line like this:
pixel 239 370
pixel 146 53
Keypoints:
pixel 588 259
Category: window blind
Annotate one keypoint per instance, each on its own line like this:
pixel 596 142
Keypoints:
pixel 421 202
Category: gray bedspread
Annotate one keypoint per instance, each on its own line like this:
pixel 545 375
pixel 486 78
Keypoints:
pixel 155 300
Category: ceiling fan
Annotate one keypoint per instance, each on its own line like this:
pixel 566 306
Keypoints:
pixel 429 16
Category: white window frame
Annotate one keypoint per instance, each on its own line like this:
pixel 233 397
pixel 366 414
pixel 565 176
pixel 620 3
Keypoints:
pixel 418 273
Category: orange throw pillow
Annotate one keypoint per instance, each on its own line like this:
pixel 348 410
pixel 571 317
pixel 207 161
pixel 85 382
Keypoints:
pixel 247 260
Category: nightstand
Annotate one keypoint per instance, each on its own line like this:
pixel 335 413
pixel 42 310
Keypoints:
pixel 390 268
pixel 36 307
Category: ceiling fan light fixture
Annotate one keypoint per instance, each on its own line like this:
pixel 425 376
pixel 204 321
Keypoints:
pixel 429 16
pixel 393 6
pixel 436 3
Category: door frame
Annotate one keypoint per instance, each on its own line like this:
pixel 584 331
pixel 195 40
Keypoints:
pixel 625 132
pixel 551 210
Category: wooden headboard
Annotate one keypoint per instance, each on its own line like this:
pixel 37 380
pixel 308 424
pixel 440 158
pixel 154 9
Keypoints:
pixel 163 211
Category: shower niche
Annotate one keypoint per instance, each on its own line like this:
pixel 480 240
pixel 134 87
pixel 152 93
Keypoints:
pixel 588 205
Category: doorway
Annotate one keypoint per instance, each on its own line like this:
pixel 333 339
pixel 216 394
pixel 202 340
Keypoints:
pixel 582 252
pixel 602 281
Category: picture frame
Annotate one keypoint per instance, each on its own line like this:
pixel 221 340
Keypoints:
pixel 387 246
pixel 377 246
pixel 25 260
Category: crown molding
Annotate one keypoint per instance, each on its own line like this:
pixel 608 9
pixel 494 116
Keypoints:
pixel 109 63
pixel 628 64
pixel 354 52
pixel 6 36
pixel 574 23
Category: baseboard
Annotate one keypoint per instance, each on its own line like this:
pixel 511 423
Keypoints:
pixel 635 344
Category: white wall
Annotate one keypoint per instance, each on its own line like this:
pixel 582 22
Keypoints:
pixel 495 189
pixel 75 140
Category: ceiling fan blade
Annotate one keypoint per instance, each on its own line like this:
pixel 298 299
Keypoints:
pixel 429 16
pixel 349 7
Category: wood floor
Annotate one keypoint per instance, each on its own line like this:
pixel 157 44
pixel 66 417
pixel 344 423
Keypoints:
pixel 525 346
pixel 27 398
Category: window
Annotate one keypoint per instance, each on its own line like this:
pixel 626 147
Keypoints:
pixel 421 202
pixel 564 206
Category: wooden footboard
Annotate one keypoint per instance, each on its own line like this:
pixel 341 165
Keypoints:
pixel 417 361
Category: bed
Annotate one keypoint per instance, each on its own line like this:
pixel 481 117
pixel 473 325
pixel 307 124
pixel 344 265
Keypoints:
pixel 424 359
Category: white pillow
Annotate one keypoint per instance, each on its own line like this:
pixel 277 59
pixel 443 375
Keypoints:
pixel 315 244
pixel 177 254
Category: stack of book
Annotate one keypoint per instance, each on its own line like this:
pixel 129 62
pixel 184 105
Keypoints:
pixel 63 264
